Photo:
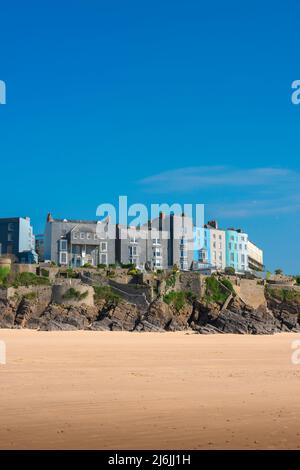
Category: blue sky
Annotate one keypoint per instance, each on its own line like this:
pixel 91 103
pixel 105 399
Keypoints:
pixel 163 101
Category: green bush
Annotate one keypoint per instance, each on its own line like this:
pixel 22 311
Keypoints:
pixel 297 279
pixel 30 296
pixel 171 280
pixel 29 279
pixel 230 270
pixel 73 294
pixel 101 266
pixel 106 293
pixel 127 266
pixel 215 290
pixel 71 273
pixel 227 283
pixel 278 272
pixel 285 295
pixel 133 271
pixel 179 299
pixel 44 272
pixel 112 266
pixel 4 272
pixel 190 296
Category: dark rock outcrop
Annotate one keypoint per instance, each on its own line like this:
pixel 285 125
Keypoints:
pixel 123 316
pixel 66 318
pixel 7 313
pixel 238 318
pixel 286 312
pixel 25 310
pixel 201 317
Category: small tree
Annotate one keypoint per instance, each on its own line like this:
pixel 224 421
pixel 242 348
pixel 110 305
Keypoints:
pixel 278 272
pixel 229 270
pixel 297 279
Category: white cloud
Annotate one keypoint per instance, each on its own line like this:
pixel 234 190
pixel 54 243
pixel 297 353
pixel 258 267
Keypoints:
pixel 193 178
pixel 251 208
pixel 245 192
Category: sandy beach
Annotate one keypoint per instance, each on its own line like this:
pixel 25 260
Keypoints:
pixel 120 390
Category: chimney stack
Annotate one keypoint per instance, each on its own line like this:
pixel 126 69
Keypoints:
pixel 213 224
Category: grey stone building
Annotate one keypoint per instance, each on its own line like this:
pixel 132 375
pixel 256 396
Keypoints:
pixel 160 244
pixel 143 246
pixel 180 246
pixel 76 242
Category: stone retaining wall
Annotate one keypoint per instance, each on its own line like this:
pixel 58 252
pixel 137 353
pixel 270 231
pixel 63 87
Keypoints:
pixel 60 290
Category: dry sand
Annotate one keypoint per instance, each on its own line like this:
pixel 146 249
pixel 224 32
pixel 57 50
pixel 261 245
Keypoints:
pixel 62 390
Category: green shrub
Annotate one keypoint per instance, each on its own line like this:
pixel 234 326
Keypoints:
pixel 215 290
pixel 112 266
pixel 88 265
pixel 133 271
pixel 44 272
pixel 278 272
pixel 285 295
pixel 190 296
pixel 127 266
pixel 171 280
pixel 30 296
pixel 101 266
pixel 73 294
pixel 4 272
pixel 227 283
pixel 179 299
pixel 29 279
pixel 297 279
pixel 71 273
pixel 230 270
pixel 106 293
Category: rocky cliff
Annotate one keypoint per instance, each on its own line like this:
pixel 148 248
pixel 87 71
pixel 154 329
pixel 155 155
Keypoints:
pixel 281 313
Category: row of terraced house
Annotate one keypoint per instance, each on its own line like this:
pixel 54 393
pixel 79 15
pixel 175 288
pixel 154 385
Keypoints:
pixel 161 243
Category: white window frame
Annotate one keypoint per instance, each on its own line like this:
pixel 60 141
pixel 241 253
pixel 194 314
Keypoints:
pixel 61 245
pixel 61 254
pixel 103 246
pixel 103 256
